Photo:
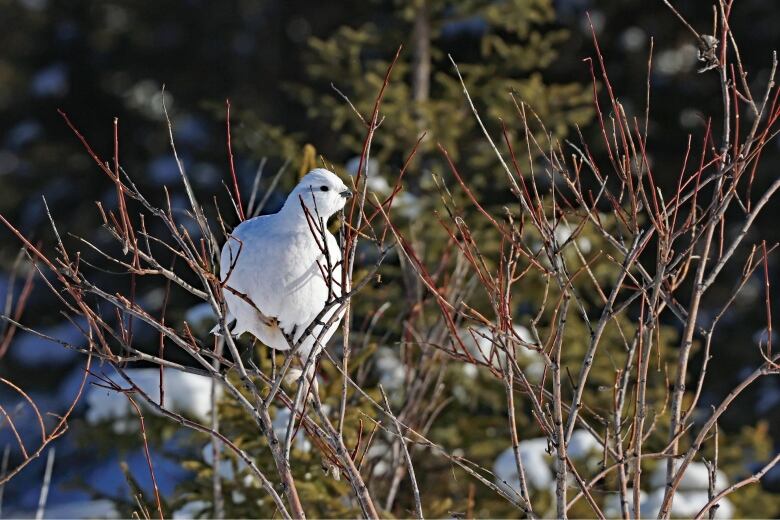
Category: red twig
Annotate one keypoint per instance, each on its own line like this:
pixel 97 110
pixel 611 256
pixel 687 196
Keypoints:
pixel 237 192
pixel 20 306
pixel 147 454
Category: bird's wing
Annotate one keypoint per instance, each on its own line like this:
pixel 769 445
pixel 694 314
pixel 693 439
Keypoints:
pixel 253 262
pixel 334 251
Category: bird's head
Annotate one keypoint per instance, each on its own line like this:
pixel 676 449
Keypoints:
pixel 322 192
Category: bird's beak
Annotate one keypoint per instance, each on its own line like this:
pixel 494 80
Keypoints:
pixel 346 194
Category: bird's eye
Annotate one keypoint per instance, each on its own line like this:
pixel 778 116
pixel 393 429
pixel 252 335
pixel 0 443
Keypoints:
pixel 324 188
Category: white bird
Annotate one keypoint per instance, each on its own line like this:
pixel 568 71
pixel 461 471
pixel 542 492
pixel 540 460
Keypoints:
pixel 288 265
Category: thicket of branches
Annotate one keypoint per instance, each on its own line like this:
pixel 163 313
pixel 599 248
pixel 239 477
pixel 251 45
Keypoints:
pixel 621 263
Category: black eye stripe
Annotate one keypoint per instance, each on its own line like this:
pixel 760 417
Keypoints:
pixel 324 188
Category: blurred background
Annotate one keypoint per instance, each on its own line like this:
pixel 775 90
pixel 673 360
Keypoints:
pixel 278 62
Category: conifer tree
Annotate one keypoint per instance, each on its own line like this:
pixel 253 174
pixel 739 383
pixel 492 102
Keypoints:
pixel 500 47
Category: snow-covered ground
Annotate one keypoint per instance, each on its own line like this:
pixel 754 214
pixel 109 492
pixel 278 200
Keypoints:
pixel 483 347
pixel 78 509
pixel 32 350
pixel 185 393
pixel 538 465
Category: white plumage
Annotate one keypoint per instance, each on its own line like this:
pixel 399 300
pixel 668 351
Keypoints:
pixel 278 263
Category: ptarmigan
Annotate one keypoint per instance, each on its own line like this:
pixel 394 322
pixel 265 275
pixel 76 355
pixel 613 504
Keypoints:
pixel 278 263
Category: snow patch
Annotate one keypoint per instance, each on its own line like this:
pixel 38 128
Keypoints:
pixel 185 393
pixel 696 477
pixel 533 455
pixel 76 510
pixel 582 444
pixel 392 373
pixel 612 509
pixel 201 316
pixel 226 462
pixel 32 350
pixel 51 81
pixel 190 510
pixel 480 343
pixel 280 423
pixel 686 504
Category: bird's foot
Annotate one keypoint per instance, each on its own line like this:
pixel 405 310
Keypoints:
pixel 271 321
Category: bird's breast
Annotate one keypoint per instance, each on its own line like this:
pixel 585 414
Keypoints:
pixel 284 273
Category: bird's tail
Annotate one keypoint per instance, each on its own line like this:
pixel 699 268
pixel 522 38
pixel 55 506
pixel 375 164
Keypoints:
pixel 217 330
